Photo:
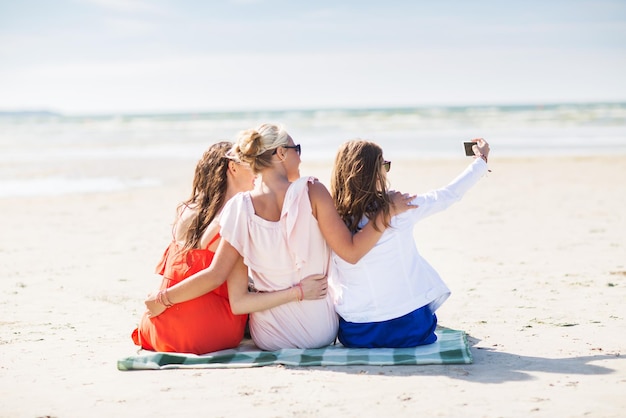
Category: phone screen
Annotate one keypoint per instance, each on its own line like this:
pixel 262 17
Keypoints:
pixel 468 148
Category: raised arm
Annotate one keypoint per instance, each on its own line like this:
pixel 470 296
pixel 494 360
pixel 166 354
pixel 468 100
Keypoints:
pixel 440 199
pixel 346 245
pixel 226 257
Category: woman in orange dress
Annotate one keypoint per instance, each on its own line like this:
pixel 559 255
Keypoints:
pixel 204 324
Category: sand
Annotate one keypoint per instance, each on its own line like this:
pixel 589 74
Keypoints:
pixel 535 256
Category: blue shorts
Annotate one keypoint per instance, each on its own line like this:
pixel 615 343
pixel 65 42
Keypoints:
pixel 413 329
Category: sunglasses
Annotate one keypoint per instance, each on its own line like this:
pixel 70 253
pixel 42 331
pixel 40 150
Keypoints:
pixel 387 165
pixel 296 147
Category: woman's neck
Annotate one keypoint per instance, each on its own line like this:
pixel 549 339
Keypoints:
pixel 272 182
pixel 269 194
pixel 230 192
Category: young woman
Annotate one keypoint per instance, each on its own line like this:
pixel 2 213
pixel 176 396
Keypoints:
pixel 281 231
pixel 389 297
pixel 204 324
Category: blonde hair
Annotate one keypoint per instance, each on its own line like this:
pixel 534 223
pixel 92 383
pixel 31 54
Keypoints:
pixel 358 185
pixel 255 146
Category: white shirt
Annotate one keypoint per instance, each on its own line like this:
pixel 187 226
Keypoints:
pixel 393 279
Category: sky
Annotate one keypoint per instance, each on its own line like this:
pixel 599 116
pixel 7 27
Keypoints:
pixel 169 56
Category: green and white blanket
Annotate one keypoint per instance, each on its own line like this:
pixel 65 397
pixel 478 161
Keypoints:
pixel 451 348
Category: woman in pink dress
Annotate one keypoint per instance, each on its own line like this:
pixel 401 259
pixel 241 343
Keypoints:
pixel 281 233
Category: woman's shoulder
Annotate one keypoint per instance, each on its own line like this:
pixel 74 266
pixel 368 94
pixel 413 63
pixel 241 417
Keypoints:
pixel 185 214
pixel 304 182
pixel 310 187
pixel 237 207
pixel 310 183
pixel 302 186
pixel 317 189
pixel 239 200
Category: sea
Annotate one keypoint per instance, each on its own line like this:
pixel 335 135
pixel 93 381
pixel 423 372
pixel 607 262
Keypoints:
pixel 26 138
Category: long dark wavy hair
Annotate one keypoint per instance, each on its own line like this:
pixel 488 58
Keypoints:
pixel 208 194
pixel 358 184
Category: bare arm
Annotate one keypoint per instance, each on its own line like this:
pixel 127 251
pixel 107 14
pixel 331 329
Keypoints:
pixel 242 301
pixel 200 283
pixel 347 246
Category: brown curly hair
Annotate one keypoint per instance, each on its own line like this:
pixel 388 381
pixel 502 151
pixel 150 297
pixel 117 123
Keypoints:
pixel 358 185
pixel 208 194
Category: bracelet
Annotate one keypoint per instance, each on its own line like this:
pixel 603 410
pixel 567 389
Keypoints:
pixel 163 299
pixel 167 299
pixel 299 292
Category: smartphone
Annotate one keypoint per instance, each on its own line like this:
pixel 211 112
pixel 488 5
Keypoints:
pixel 468 148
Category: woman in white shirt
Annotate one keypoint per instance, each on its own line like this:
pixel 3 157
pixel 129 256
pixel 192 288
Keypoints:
pixel 389 297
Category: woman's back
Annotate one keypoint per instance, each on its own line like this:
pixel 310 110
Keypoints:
pixel 279 254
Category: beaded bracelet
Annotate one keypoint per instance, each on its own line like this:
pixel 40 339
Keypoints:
pixel 163 299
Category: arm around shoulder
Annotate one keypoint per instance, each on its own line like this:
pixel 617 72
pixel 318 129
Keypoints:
pixel 349 247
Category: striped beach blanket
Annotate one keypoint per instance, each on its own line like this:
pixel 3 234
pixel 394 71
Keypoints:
pixel 451 347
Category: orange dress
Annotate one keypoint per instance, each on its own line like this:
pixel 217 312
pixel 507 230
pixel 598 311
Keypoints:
pixel 198 326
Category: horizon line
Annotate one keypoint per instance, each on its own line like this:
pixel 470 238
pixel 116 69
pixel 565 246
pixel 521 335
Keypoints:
pixel 139 113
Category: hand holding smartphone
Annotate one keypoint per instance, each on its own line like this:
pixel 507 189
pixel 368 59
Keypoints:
pixel 469 150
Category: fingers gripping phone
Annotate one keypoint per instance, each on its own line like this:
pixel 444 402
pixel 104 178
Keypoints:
pixel 469 151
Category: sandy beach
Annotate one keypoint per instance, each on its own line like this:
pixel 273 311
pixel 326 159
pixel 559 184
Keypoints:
pixel 535 256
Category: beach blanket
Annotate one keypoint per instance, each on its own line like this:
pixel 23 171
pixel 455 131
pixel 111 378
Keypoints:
pixel 451 347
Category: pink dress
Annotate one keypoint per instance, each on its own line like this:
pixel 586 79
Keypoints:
pixel 279 255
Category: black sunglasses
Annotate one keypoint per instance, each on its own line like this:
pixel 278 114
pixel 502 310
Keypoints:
pixel 387 165
pixel 296 147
